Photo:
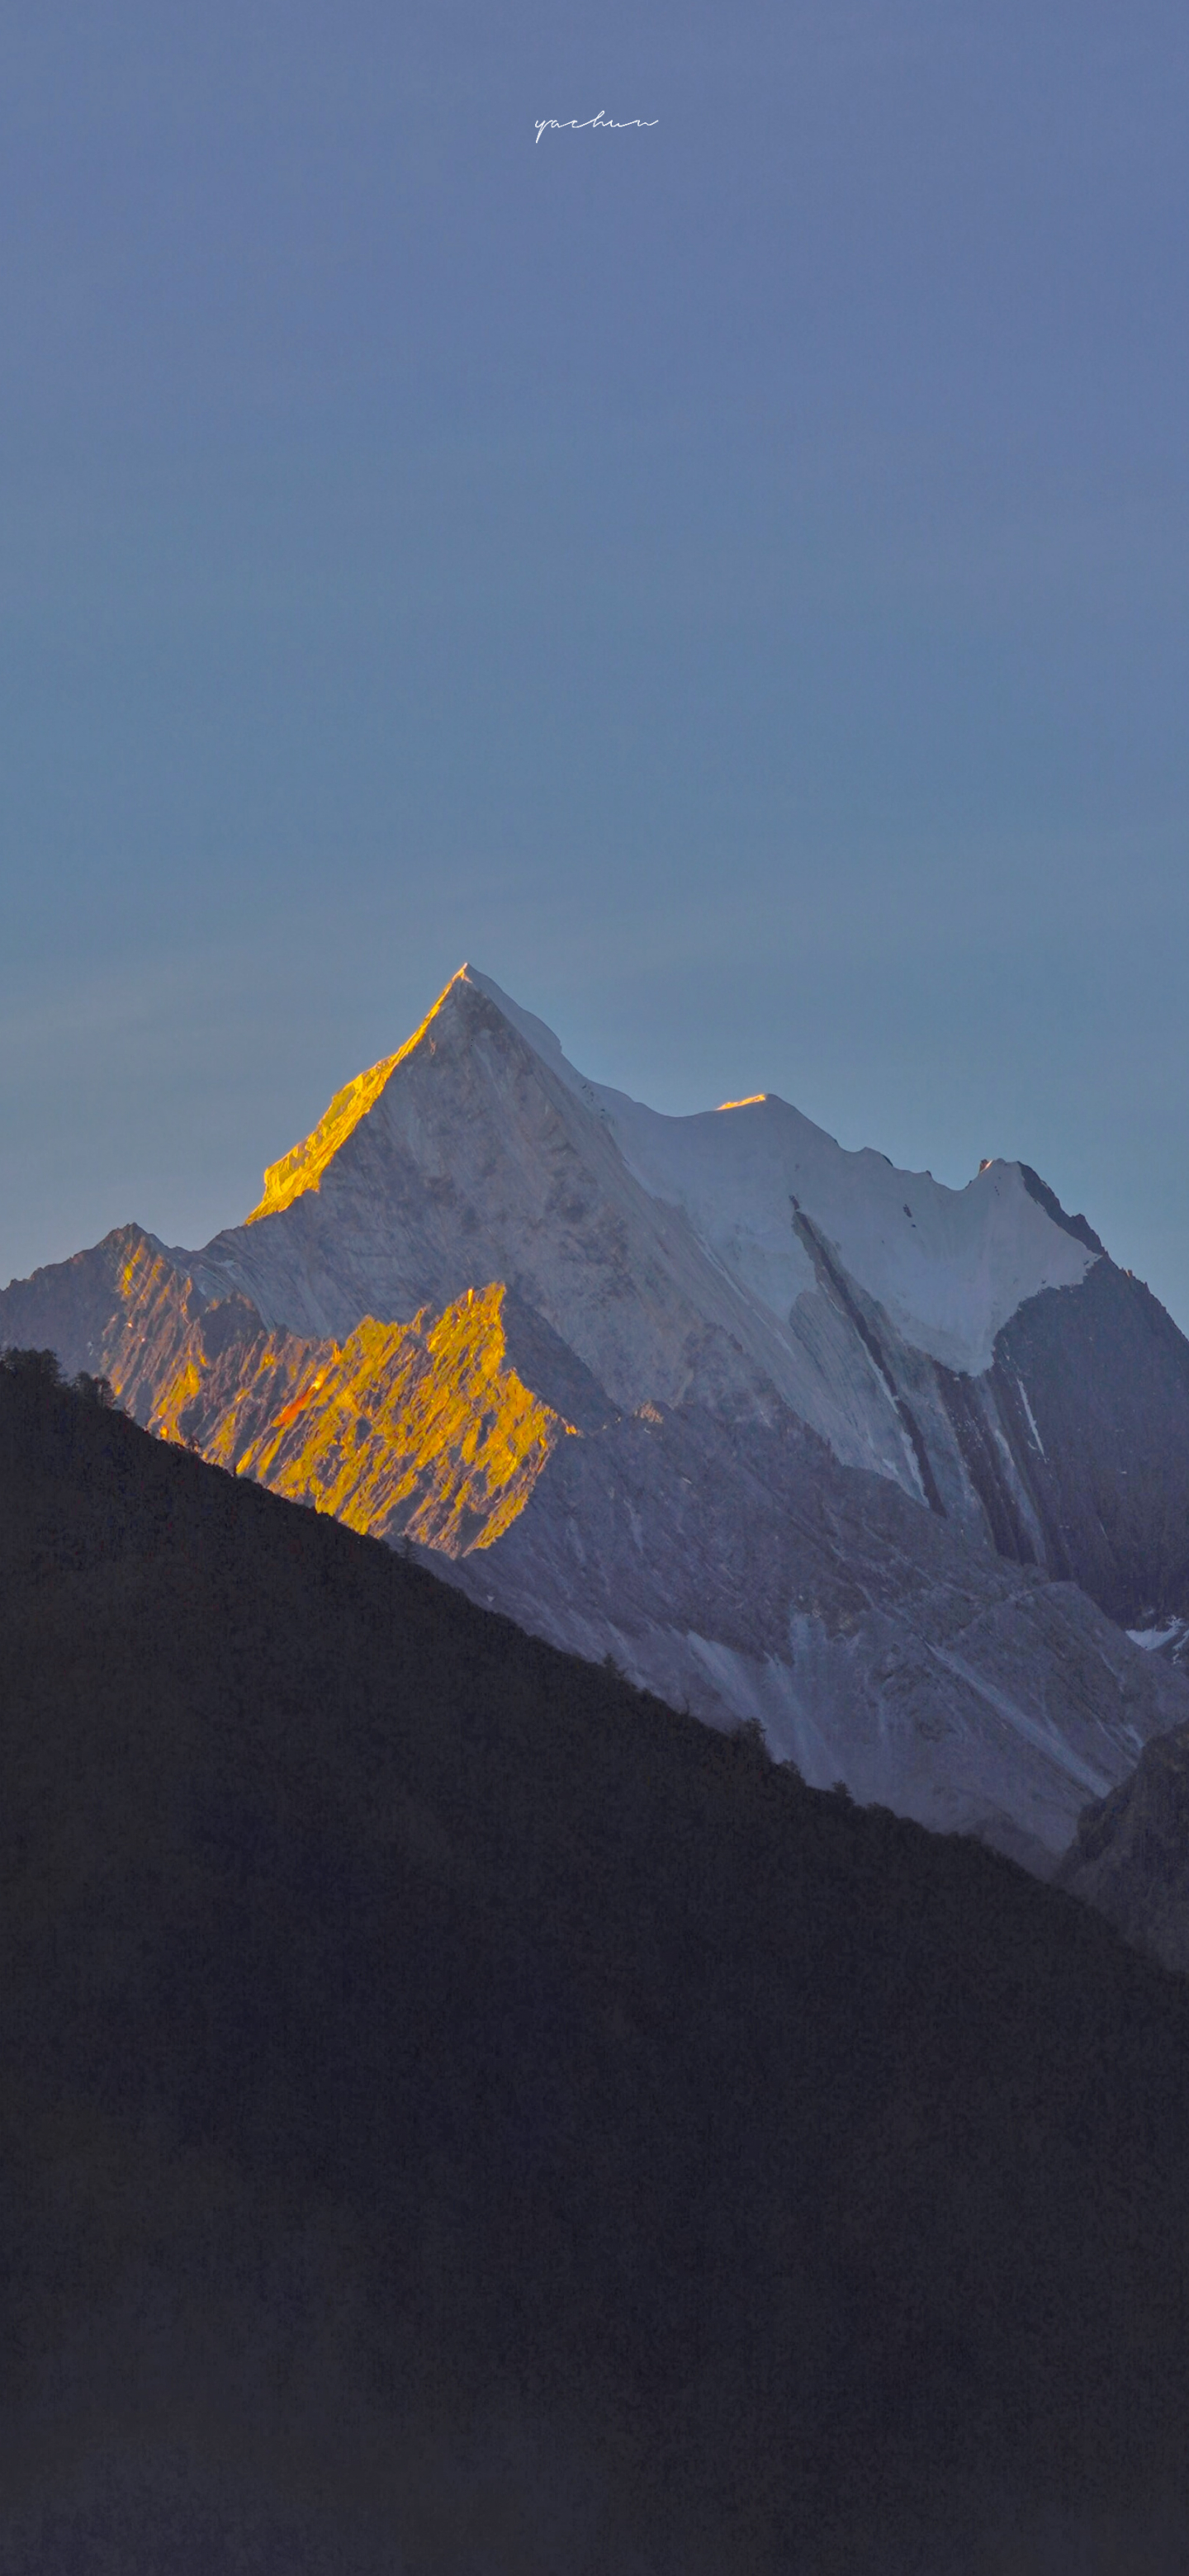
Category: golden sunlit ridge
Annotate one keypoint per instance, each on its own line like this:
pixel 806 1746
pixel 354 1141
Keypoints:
pixel 422 1429
pixel 302 1167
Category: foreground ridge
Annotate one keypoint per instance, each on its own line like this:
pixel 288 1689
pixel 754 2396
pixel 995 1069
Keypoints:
pixel 374 1969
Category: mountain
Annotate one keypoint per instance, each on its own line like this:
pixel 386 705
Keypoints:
pixel 789 1434
pixel 458 2114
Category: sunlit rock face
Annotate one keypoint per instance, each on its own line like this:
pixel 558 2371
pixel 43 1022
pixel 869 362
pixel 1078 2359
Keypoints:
pixel 424 1431
pixel 791 1434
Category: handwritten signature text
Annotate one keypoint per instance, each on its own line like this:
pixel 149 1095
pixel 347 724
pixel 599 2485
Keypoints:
pixel 577 124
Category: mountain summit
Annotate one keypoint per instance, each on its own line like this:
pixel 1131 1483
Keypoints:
pixel 789 1433
pixel 760 1194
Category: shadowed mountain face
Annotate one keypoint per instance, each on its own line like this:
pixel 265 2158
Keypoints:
pixel 790 1434
pixel 457 2113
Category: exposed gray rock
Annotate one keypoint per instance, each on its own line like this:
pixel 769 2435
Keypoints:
pixel 1130 1856
pixel 745 1573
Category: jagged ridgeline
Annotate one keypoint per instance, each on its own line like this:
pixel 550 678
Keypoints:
pixel 458 2113
pixel 886 1467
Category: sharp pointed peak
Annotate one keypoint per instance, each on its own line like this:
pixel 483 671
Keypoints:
pixel 536 1033
pixel 301 1169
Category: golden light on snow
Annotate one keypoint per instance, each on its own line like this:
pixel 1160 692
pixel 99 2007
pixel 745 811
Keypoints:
pixel 302 1167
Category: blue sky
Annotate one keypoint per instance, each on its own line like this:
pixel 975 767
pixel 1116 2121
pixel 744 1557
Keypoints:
pixel 726 579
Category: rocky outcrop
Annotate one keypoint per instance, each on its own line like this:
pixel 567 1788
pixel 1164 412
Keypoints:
pixel 1091 1388
pixel 1130 1856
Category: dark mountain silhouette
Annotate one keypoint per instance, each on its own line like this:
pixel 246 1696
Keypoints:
pixel 459 2115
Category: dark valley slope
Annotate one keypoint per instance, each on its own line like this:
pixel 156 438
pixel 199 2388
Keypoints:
pixel 457 2114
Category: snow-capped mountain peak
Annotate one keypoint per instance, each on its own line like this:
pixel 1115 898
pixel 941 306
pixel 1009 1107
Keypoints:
pixel 769 1196
pixel 791 1433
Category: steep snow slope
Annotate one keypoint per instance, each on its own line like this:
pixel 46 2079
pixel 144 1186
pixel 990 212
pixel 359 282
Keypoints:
pixel 948 1266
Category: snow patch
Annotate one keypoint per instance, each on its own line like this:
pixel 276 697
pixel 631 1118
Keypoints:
pixel 1023 1394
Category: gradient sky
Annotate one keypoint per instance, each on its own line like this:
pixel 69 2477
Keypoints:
pixel 728 579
